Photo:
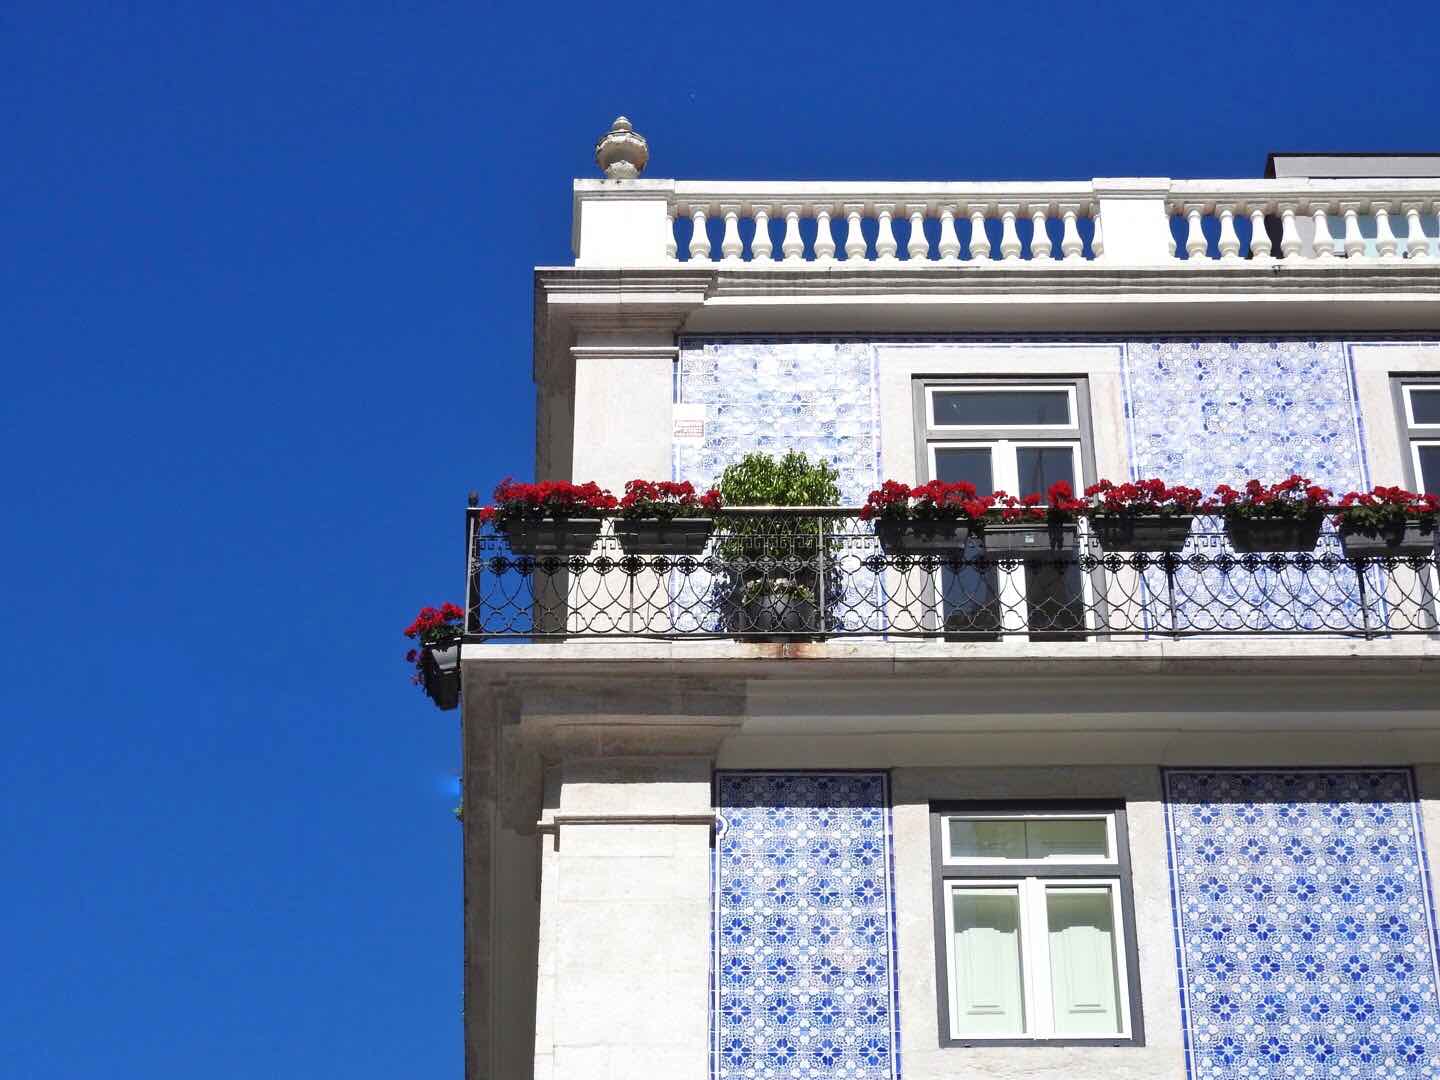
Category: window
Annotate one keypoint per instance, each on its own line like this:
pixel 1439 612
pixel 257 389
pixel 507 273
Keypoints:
pixel 1034 942
pixel 1018 436
pixel 1419 408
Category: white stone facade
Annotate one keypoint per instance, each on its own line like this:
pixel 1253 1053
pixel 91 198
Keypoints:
pixel 599 844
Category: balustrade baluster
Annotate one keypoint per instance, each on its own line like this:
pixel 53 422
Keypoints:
pixel 1229 242
pixel 699 239
pixel 1009 236
pixel 1386 246
pixel 1261 249
pixel 1040 245
pixel 1195 243
pixel 1071 246
pixel 918 246
pixel 762 248
pixel 671 248
pixel 979 238
pixel 1289 233
pixel 885 245
pixel 854 238
pixel 1324 244
pixel 1097 241
pixel 1354 241
pixel 949 238
pixel 792 246
pixel 1417 245
pixel 824 237
pixel 730 246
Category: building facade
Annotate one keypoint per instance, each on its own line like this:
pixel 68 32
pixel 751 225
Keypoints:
pixel 1117 818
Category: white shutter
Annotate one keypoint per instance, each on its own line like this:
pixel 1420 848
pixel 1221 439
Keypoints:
pixel 1084 973
pixel 989 990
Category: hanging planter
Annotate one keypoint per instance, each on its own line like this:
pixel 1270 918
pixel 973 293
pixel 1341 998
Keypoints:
pixel 918 537
pixel 1259 535
pixel 440 674
pixel 663 536
pixel 778 610
pixel 1401 540
pixel 1141 532
pixel 1012 539
pixel 563 537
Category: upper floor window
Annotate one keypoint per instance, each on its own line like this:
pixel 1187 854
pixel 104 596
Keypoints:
pixel 1419 407
pixel 1036 930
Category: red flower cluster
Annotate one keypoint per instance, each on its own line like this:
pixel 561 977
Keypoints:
pixel 1058 502
pixel 549 498
pixel 935 501
pixel 440 626
pixel 1143 497
pixel 1294 496
pixel 1384 507
pixel 666 499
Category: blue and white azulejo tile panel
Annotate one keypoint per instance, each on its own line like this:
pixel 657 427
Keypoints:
pixel 819 397
pixel 804 951
pixel 1304 925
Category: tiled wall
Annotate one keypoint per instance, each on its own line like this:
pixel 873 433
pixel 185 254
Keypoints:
pixel 804 974
pixel 1304 930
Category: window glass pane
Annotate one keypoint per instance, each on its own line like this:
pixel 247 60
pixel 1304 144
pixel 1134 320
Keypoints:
pixel 1058 838
pixel 1041 466
pixel 1425 406
pixel 1084 976
pixel 954 464
pixel 987 839
pixel 1002 408
pixel 989 995
pixel 1429 468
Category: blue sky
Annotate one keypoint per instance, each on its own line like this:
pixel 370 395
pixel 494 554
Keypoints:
pixel 265 299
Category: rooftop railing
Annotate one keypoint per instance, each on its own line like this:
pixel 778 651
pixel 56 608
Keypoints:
pixel 807 574
pixel 1141 221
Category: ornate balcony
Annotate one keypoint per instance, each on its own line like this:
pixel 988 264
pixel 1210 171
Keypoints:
pixel 803 574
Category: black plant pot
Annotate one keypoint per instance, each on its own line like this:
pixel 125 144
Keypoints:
pixel 776 617
pixel 1019 540
pixel 440 674
pixel 913 537
pixel 1141 532
pixel 660 536
pixel 1411 538
pixel 551 536
pixel 1251 536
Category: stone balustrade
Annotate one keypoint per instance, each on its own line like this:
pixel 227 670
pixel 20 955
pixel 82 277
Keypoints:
pixel 1121 221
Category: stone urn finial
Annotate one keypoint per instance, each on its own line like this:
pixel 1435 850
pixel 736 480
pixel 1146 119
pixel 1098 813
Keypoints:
pixel 622 151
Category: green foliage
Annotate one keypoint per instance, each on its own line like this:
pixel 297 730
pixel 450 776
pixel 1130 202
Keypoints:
pixel 761 480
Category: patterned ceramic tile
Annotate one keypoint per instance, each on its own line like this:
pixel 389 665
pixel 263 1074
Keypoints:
pixel 1303 924
pixel 805 982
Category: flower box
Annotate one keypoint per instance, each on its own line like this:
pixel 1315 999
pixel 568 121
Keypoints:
pixel 1256 535
pixel 1402 540
pixel 551 536
pixel 663 536
pixel 440 674
pixel 1011 539
pixel 1141 532
pixel 914 536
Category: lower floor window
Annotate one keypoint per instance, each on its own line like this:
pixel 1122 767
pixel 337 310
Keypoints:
pixel 1035 938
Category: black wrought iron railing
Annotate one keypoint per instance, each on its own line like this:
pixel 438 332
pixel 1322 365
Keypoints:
pixel 814 573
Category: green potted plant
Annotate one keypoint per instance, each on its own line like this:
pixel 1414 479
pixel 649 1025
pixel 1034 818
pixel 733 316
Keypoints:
pixel 777 561
pixel 1260 518
pixel 553 517
pixel 1033 524
pixel 1144 515
pixel 933 519
pixel 437 632
pixel 1387 521
pixel 663 517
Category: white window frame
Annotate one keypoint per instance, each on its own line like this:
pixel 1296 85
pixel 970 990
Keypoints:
pixel 1037 991
pixel 1072 406
pixel 1111 859
pixel 1415 447
pixel 1407 390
